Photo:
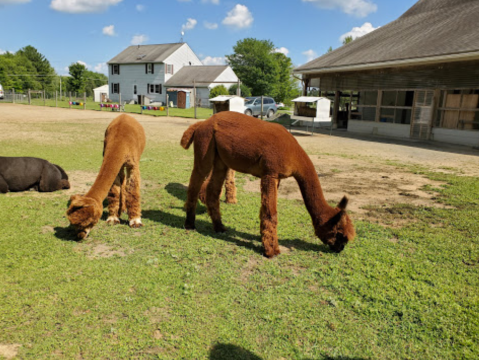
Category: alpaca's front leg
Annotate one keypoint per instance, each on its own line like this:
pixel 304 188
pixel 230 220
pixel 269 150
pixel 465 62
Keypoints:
pixel 230 187
pixel 269 216
pixel 133 198
pixel 114 201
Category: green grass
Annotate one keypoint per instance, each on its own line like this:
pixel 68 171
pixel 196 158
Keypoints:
pixel 167 293
pixel 201 113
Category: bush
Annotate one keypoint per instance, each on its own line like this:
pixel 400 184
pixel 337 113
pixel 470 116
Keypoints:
pixel 218 90
pixel 245 91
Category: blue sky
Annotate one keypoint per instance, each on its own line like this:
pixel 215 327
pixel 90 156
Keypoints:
pixel 94 31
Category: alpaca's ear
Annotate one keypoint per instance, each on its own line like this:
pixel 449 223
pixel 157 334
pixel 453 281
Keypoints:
pixel 78 201
pixel 343 203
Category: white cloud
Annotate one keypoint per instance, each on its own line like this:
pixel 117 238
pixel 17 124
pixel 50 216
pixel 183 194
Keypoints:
pixel 101 68
pixel 214 60
pixel 216 2
pixel 211 26
pixel 13 2
pixel 109 30
pixel 2 51
pixel 310 55
pixel 139 39
pixel 359 31
pixel 140 7
pixel 240 17
pixel 359 8
pixel 84 64
pixel 82 6
pixel 282 50
pixel 190 24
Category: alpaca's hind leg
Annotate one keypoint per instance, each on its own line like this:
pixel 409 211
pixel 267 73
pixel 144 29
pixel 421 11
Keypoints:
pixel 269 215
pixel 114 200
pixel 196 181
pixel 213 193
pixel 132 189
pixel 202 194
pixel 3 185
pixel 230 187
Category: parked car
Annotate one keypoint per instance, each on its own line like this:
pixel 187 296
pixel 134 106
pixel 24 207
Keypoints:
pixel 253 106
pixel 280 104
pixel 2 94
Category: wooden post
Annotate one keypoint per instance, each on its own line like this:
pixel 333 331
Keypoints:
pixel 70 99
pixel 194 94
pixel 167 104
pixel 261 107
pixel 44 98
pixel 238 90
pixel 84 101
pixel 56 98
pixel 119 102
pixel 13 94
pixel 336 109
pixel 29 97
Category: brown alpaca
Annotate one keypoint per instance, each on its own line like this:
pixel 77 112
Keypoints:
pixel 122 148
pixel 230 140
pixel 230 188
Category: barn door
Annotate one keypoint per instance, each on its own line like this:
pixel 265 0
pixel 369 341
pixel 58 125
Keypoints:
pixel 181 100
pixel 422 114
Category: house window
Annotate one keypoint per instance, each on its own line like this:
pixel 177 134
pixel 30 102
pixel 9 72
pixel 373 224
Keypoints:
pixel 134 89
pixel 115 69
pixel 169 68
pixel 459 109
pixel 154 88
pixel 149 68
pixel 115 88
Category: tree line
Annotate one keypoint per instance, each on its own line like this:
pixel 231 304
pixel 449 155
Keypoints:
pixel 29 69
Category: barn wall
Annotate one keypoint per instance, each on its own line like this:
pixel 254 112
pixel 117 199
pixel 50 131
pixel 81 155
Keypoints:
pixel 377 128
pixel 459 137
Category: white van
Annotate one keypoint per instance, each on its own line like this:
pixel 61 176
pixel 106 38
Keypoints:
pixel 1 92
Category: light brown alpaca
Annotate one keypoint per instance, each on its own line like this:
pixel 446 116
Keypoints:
pixel 230 140
pixel 122 149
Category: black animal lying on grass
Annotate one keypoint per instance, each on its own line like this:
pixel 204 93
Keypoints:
pixel 24 173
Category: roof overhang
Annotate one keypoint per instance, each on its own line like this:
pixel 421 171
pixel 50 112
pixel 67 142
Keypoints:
pixel 396 63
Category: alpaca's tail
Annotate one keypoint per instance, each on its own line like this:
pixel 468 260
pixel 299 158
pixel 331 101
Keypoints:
pixel 189 135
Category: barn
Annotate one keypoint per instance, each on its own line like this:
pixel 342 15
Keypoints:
pixel 416 77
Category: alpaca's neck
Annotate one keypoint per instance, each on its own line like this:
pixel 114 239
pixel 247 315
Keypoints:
pixel 110 167
pixel 313 196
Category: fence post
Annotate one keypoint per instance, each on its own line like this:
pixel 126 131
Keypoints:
pixel 29 98
pixel 261 107
pixel 84 101
pixel 119 102
pixel 13 94
pixel 167 104
pixel 194 93
pixel 44 98
pixel 56 98
pixel 70 102
pixel 238 90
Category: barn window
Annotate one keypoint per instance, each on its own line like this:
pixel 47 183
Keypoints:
pixel 459 109
pixel 363 106
pixel 396 107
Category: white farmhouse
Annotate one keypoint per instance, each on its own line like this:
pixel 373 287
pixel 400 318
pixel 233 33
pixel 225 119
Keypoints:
pixel 142 70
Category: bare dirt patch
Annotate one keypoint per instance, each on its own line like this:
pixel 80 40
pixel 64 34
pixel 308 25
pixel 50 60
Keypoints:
pixel 366 184
pixel 100 251
pixel 9 351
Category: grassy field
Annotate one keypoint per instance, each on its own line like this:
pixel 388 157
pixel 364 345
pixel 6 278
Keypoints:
pixel 160 292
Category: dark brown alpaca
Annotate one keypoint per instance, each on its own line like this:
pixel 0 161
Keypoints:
pixel 122 149
pixel 230 140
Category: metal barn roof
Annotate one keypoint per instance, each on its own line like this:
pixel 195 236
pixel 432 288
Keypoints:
pixel 430 31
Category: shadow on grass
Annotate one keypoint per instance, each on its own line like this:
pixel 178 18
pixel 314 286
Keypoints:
pixel 67 233
pixel 233 352
pixel 231 235
pixel 179 191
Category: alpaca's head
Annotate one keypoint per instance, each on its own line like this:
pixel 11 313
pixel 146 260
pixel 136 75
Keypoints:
pixel 83 213
pixel 338 230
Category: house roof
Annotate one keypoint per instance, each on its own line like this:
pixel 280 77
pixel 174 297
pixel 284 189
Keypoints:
pixel 203 74
pixel 430 31
pixel 145 53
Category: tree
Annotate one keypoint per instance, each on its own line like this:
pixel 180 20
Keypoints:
pixel 76 82
pixel 347 40
pixel 330 49
pixel 44 71
pixel 287 86
pixel 218 90
pixel 94 80
pixel 245 91
pixel 254 63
